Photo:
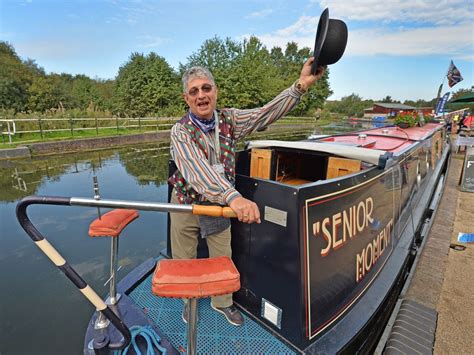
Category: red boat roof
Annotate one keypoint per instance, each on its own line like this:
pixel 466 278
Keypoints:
pixel 391 139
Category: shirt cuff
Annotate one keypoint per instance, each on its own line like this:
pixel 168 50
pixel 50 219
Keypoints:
pixel 295 92
pixel 231 195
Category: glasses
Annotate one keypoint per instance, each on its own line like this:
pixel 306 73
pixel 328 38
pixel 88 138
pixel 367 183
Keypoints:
pixel 194 91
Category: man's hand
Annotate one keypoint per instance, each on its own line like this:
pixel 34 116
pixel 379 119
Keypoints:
pixel 306 78
pixel 246 210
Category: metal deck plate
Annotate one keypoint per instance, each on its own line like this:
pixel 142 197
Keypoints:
pixel 413 330
pixel 215 334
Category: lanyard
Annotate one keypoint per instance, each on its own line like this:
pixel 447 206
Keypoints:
pixel 217 145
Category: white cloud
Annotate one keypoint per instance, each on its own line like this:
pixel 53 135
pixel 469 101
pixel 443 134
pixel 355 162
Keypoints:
pixel 132 12
pixel 303 26
pixel 259 14
pixel 6 35
pixel 454 40
pixel 440 12
pixel 152 41
pixel 49 49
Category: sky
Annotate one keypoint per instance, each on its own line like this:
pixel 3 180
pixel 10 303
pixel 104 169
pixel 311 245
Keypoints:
pixel 395 47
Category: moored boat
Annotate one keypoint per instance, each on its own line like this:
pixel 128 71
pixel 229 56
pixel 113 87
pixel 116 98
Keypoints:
pixel 342 217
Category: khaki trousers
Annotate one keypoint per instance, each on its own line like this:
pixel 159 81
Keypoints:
pixel 184 233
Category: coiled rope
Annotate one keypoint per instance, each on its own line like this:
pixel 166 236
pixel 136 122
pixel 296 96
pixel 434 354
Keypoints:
pixel 151 338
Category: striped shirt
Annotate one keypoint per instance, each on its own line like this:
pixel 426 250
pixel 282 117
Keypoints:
pixel 192 162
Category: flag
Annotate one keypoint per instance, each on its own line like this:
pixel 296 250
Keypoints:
pixel 441 103
pixel 454 75
pixel 439 92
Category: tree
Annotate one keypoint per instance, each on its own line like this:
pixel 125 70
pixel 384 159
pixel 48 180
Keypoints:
pixel 146 85
pixel 316 96
pixel 219 57
pixel 351 105
pixel 253 80
pixel 46 93
pixel 106 89
pixel 15 78
pixel 388 99
pixel 248 75
pixel 85 93
pixel 420 103
pixel 215 54
pixel 462 92
pixel 318 93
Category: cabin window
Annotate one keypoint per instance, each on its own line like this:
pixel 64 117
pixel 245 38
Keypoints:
pixel 296 168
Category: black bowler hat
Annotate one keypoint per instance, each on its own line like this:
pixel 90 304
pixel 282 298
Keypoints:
pixel 330 42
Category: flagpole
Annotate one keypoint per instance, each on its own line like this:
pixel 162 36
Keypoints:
pixel 451 64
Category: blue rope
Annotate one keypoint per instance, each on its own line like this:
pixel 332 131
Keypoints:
pixel 151 338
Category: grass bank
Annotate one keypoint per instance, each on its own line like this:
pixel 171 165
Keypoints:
pixel 25 139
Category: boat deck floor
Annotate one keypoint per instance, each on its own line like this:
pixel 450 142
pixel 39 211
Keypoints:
pixel 215 335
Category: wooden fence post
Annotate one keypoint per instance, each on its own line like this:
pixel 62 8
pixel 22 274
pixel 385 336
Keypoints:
pixel 9 132
pixel 40 127
pixel 96 127
pixel 72 127
pixel 116 122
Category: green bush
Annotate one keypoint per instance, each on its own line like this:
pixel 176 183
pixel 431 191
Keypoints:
pixel 409 119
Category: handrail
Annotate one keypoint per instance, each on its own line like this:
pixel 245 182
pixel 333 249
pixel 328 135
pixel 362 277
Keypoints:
pixel 62 264
pixel 69 271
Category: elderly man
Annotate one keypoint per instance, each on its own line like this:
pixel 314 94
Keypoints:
pixel 203 148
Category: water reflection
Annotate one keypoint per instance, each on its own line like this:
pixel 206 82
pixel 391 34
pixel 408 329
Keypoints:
pixel 37 302
pixel 20 178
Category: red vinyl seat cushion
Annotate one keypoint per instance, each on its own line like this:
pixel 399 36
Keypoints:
pixel 112 223
pixel 195 278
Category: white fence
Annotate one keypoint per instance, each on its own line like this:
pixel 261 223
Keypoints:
pixel 11 127
pixel 43 126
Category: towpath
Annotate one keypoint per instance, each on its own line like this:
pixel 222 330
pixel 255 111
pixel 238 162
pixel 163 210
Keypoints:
pixel 443 282
pixel 86 144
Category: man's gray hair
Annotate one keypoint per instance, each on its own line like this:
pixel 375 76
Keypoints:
pixel 196 72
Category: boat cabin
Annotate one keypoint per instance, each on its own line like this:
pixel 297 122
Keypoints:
pixel 341 219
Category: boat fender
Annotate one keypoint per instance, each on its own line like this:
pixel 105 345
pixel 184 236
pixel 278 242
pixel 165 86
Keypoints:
pixel 152 341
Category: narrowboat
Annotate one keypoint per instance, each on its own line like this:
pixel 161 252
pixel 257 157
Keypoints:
pixel 342 219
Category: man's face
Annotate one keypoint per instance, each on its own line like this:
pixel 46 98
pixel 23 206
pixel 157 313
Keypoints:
pixel 201 97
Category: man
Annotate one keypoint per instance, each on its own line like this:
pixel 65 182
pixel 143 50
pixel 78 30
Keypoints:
pixel 203 148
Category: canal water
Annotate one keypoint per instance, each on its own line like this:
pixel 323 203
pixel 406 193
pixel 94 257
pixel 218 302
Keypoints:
pixel 41 311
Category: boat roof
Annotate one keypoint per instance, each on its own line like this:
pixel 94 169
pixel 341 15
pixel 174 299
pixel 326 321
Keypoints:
pixel 370 146
pixel 394 105
pixel 389 139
